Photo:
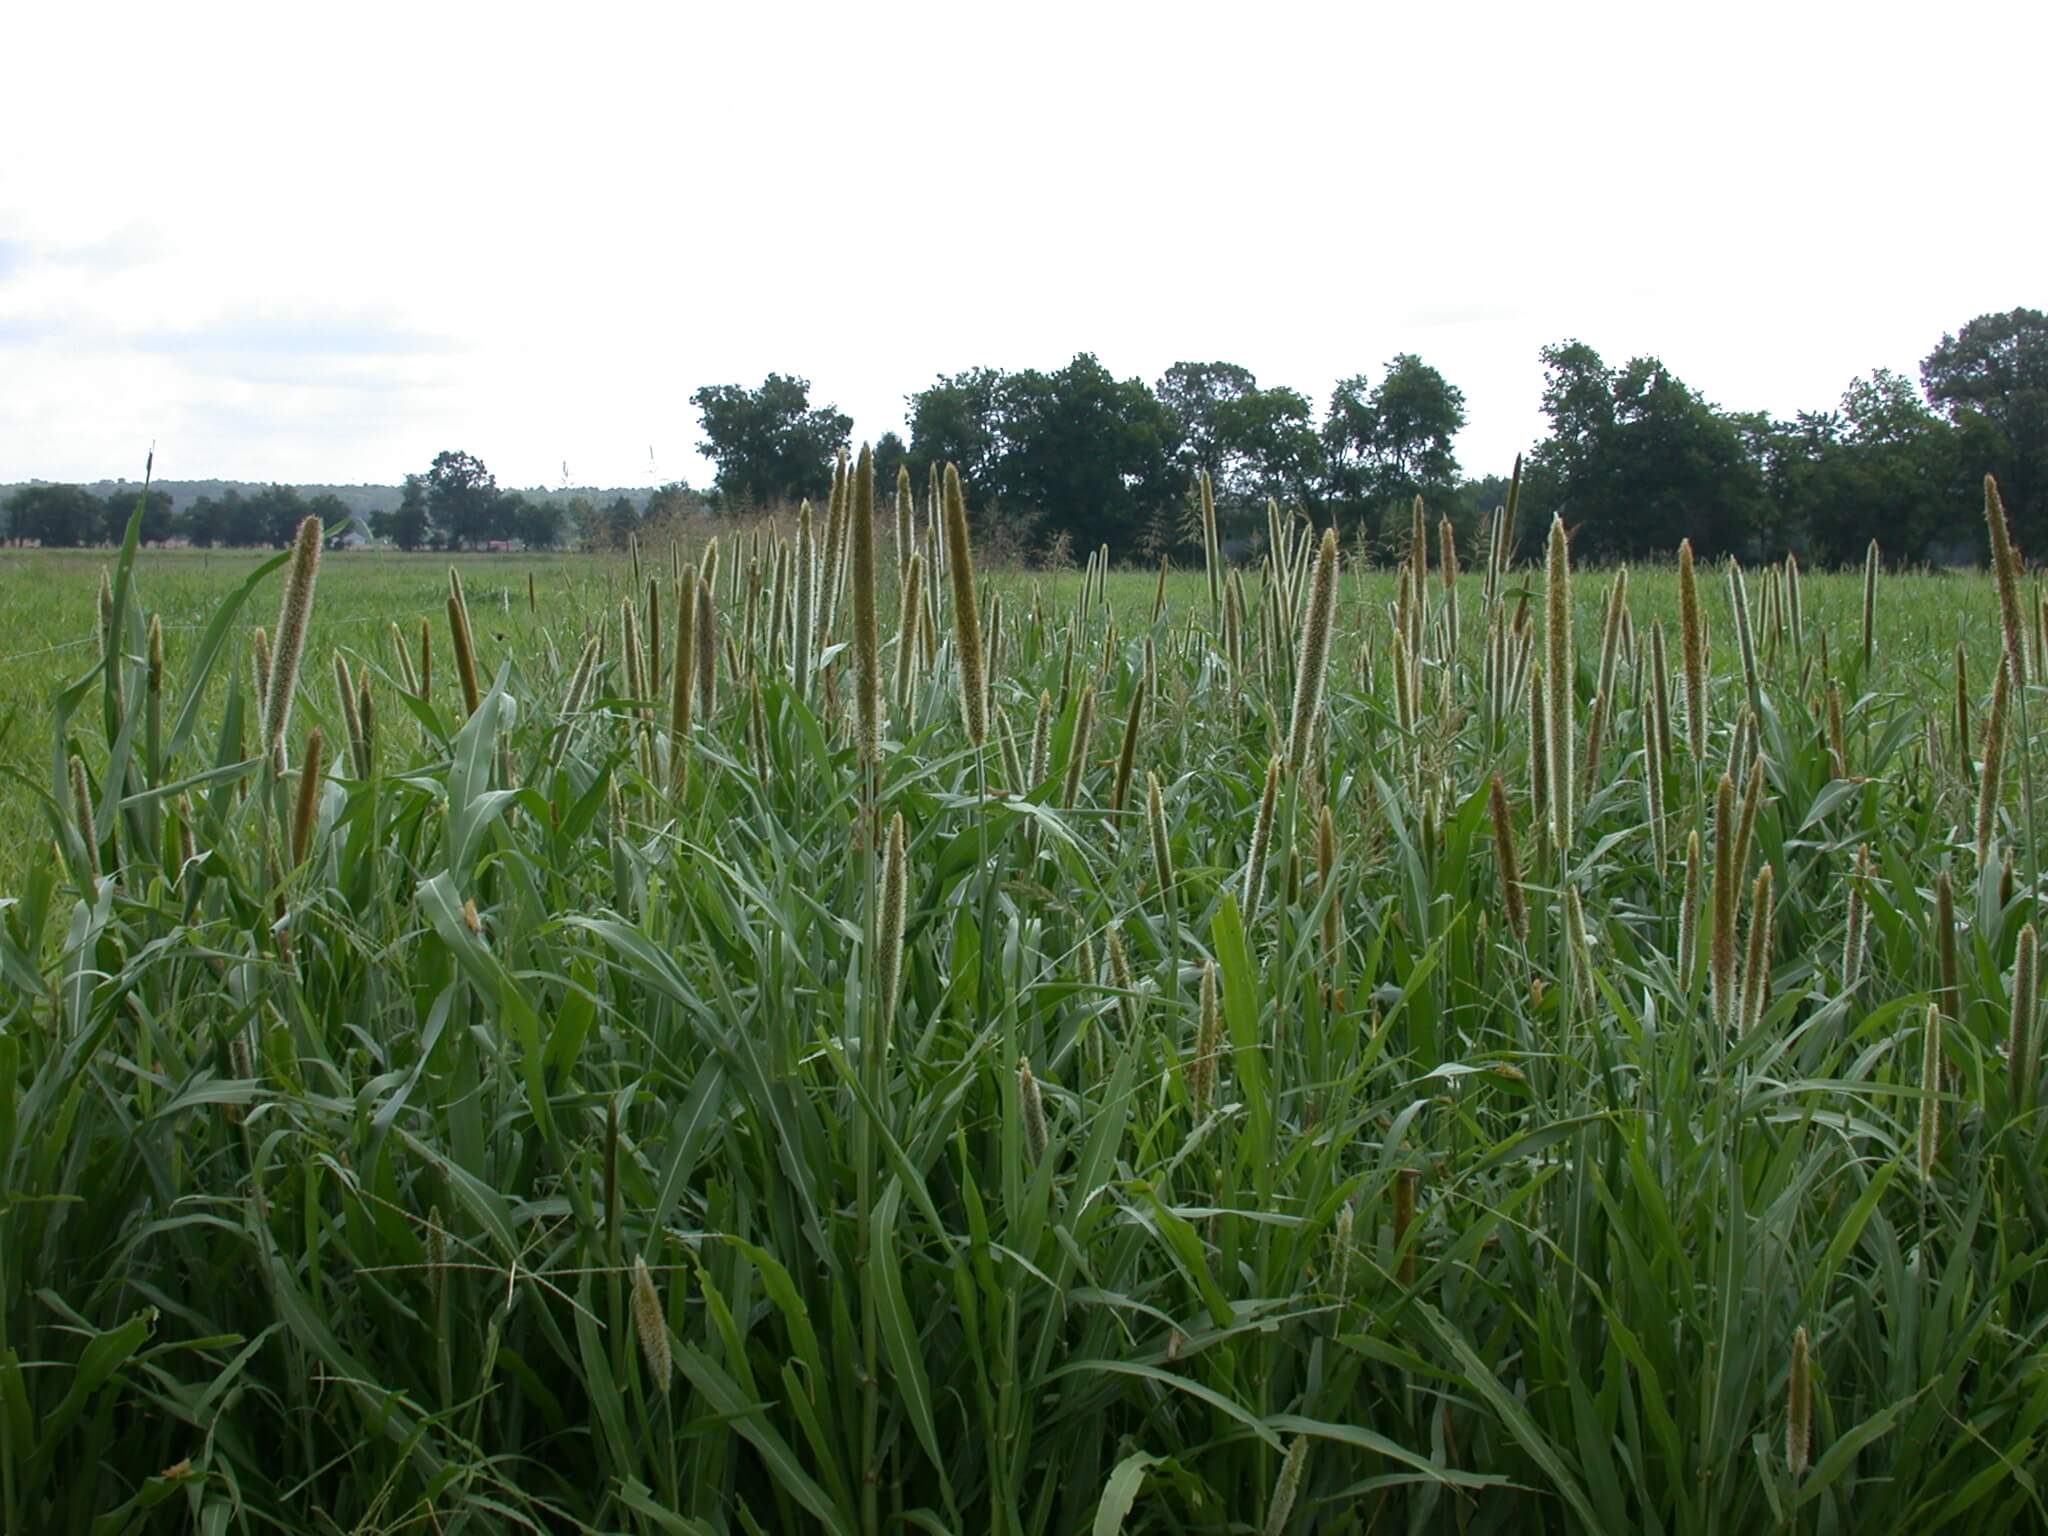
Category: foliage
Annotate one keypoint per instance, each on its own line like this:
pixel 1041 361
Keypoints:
pixel 959 420
pixel 1882 465
pixel 57 516
pixel 156 514
pixel 1635 461
pixel 1253 443
pixel 463 502
pixel 891 454
pixel 409 525
pixel 1387 443
pixel 770 445
pixel 1075 451
pixel 1994 372
pixel 330 1174
pixel 1089 452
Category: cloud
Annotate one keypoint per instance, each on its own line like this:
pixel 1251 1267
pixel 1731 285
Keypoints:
pixel 21 331
pixel 301 353
pixel 287 347
pixel 301 335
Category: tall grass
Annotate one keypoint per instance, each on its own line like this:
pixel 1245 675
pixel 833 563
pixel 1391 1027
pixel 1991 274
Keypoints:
pixel 507 1129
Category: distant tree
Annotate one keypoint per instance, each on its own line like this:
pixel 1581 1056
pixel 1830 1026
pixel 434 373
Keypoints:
pixel 770 446
pixel 229 518
pixel 671 503
pixel 335 517
pixel 1881 466
pixel 1996 370
pixel 56 516
pixel 1387 443
pixel 959 420
pixel 1273 449
pixel 156 514
pixel 1199 397
pixel 462 499
pixel 1254 443
pixel 890 456
pixel 537 524
pixel 273 515
pixel 200 523
pixel 407 525
pixel 246 522
pixel 1636 461
pixel 579 515
pixel 612 525
pixel 1090 452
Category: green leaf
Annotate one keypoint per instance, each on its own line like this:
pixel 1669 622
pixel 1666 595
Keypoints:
pixel 1120 1492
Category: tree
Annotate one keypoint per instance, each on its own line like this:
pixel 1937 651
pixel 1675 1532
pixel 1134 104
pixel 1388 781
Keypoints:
pixel 959 421
pixel 890 455
pixel 335 517
pixel 1090 452
pixel 1199 397
pixel 581 520
pixel 55 516
pixel 770 446
pixel 407 525
pixel 201 523
pixel 1995 370
pixel 273 515
pixel 1385 444
pixel 610 526
pixel 1254 443
pixel 230 518
pixel 1881 466
pixel 536 524
pixel 671 503
pixel 1636 461
pixel 462 498
pixel 1272 449
pixel 156 514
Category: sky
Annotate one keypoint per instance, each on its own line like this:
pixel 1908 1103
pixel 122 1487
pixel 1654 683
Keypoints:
pixel 321 244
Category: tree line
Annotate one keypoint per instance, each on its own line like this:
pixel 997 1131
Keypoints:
pixel 1072 458
pixel 1634 459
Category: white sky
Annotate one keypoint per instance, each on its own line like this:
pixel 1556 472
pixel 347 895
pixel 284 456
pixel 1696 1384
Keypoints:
pixel 323 243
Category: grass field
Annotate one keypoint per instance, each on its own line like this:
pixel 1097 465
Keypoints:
pixel 1166 1115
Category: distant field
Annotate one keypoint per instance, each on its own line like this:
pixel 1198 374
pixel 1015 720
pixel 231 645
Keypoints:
pixel 560 1116
pixel 47 602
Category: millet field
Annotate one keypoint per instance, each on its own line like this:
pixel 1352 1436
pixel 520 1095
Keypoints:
pixel 793 1033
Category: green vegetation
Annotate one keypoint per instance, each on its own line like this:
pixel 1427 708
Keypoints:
pixel 721 1047
pixel 1072 460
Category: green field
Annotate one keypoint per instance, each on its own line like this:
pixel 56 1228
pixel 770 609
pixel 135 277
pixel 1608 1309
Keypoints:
pixel 542 1120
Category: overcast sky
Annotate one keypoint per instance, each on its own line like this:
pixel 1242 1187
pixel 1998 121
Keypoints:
pixel 323 243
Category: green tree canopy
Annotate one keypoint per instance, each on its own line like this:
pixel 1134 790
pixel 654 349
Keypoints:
pixel 769 444
pixel 56 516
pixel 335 518
pixel 157 523
pixel 890 455
pixel 1387 443
pixel 462 499
pixel 1995 370
pixel 1090 452
pixel 959 421
pixel 229 518
pixel 1254 443
pixel 1636 461
pixel 407 525
pixel 1881 465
